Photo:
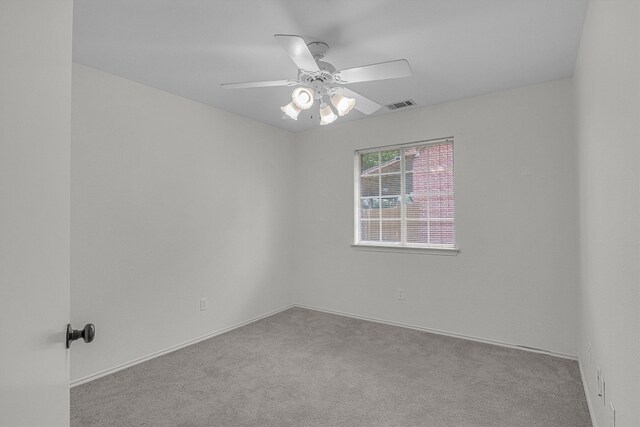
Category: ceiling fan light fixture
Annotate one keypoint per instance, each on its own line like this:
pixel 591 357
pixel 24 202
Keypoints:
pixel 302 97
pixel 327 115
pixel 343 104
pixel 291 110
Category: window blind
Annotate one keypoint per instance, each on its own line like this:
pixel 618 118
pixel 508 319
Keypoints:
pixel 405 195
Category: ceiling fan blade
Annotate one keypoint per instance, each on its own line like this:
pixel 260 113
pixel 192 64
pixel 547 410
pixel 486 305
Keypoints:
pixel 271 83
pixel 363 104
pixel 384 70
pixel 297 49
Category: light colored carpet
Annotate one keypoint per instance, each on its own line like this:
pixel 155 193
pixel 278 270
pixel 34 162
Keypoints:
pixel 308 368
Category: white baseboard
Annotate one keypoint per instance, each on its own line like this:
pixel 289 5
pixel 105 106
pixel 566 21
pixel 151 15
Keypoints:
pixel 100 374
pixel 439 332
pixel 592 414
pixel 109 371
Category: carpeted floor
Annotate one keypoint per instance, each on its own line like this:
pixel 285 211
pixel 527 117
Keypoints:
pixel 307 368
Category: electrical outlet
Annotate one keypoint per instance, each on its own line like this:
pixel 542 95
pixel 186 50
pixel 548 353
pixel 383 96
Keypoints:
pixel 203 304
pixel 612 415
pixel 401 294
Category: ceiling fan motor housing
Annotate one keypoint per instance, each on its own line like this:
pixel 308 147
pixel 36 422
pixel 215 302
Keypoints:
pixel 319 81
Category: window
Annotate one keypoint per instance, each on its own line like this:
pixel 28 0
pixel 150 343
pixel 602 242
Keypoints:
pixel 404 196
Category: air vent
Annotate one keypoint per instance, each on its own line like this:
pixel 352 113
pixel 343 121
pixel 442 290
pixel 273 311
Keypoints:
pixel 403 104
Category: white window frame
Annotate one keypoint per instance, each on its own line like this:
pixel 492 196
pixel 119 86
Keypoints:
pixel 401 246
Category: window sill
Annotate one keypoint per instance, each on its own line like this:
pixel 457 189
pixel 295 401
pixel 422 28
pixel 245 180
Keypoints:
pixel 406 249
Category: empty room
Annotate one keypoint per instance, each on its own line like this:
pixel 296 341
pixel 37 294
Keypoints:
pixel 320 213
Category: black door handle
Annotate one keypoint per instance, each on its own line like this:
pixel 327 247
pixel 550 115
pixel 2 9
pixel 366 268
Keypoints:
pixel 88 333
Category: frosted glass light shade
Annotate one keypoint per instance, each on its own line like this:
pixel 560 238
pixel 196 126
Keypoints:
pixel 343 104
pixel 291 110
pixel 302 97
pixel 327 115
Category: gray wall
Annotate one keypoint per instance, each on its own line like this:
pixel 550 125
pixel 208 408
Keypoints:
pixel 515 279
pixel 607 104
pixel 171 201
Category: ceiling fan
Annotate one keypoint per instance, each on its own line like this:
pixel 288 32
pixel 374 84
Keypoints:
pixel 319 80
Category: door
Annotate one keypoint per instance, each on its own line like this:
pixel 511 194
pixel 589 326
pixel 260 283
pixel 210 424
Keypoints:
pixel 35 99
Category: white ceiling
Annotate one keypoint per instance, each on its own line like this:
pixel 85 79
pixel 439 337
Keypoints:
pixel 456 48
